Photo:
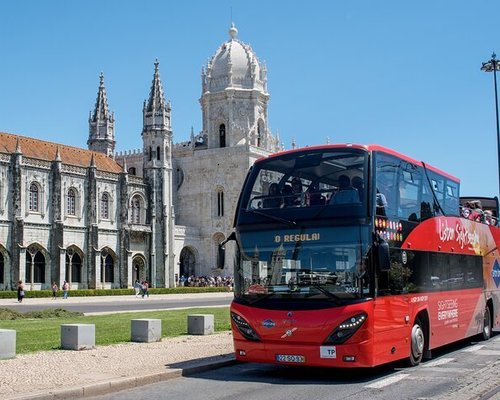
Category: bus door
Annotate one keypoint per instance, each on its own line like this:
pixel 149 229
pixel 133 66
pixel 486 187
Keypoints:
pixel 391 311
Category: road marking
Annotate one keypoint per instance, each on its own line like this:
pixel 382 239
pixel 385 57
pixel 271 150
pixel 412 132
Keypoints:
pixel 474 348
pixel 440 361
pixel 387 381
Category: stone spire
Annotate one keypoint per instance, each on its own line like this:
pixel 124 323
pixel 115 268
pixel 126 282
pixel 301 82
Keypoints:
pixel 156 112
pixel 18 146
pixel 58 155
pixel 102 124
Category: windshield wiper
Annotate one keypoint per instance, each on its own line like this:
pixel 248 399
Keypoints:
pixel 321 289
pixel 274 217
pixel 291 289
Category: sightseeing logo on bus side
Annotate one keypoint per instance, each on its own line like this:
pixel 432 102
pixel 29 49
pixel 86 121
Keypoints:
pixel 459 234
pixel 495 273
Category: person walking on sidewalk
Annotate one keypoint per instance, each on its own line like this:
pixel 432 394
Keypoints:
pixel 65 288
pixel 54 290
pixel 145 289
pixel 137 287
pixel 20 291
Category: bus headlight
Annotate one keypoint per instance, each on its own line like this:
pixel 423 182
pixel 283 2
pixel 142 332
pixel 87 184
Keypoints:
pixel 346 329
pixel 244 327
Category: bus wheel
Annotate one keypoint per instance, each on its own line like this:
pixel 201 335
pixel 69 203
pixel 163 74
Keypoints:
pixel 486 332
pixel 417 343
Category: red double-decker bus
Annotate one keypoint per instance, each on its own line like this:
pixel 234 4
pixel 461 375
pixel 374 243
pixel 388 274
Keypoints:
pixel 355 256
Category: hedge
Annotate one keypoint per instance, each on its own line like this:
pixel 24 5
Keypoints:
pixel 9 294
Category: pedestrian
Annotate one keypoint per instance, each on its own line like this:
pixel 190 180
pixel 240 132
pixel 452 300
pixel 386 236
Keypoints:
pixel 54 290
pixel 20 291
pixel 65 288
pixel 137 287
pixel 145 289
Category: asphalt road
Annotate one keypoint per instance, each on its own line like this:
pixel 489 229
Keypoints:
pixel 453 369
pixel 113 304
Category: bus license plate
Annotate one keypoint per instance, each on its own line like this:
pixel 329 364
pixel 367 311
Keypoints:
pixel 290 358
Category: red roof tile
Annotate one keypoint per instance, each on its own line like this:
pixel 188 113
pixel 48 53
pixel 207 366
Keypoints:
pixel 43 150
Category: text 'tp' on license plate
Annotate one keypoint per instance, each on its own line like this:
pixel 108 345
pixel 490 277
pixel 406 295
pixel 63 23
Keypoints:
pixel 290 358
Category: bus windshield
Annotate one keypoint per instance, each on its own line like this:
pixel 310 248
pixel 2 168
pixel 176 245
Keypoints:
pixel 297 186
pixel 322 263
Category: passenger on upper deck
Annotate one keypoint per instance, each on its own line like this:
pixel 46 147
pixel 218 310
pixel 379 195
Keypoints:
pixel 346 194
pixel 384 190
pixel 358 184
pixel 489 218
pixel 274 200
pixel 314 196
pixel 293 193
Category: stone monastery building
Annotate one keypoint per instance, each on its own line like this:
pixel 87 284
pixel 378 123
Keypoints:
pixel 98 219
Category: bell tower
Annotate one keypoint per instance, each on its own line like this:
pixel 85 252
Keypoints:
pixel 234 98
pixel 102 124
pixel 157 161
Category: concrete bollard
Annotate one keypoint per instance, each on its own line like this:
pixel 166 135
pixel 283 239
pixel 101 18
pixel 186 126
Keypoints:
pixel 200 324
pixel 7 343
pixel 146 330
pixel 78 336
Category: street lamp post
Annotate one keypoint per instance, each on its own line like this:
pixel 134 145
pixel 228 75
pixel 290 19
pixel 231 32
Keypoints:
pixel 488 66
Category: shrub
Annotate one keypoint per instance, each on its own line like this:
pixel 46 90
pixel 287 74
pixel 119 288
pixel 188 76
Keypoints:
pixel 9 294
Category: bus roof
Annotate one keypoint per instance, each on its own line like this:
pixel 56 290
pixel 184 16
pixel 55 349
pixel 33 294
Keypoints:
pixel 370 148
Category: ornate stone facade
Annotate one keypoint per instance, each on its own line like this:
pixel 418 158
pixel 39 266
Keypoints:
pixel 98 219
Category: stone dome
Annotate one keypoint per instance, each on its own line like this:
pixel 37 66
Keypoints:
pixel 234 65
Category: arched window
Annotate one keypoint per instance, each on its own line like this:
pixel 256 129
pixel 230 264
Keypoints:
pixel 150 153
pixel 109 272
pixel 158 153
pixel 71 202
pixel 38 268
pixel 187 262
pixel 136 210
pixel 132 171
pixel 222 135
pixel 259 135
pixel 34 196
pixel 105 206
pixel 220 202
pixel 75 266
pixel 2 268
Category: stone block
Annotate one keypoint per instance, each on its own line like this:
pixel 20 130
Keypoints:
pixel 146 330
pixel 77 336
pixel 7 343
pixel 200 324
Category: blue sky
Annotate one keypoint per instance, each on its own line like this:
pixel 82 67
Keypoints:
pixel 397 73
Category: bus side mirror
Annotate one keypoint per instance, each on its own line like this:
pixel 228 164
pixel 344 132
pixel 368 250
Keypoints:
pixel 384 260
pixel 221 253
pixel 221 256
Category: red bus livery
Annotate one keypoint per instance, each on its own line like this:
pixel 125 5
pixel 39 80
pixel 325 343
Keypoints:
pixel 355 256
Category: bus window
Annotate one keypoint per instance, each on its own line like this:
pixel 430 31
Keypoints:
pixel 409 193
pixel 451 202
pixel 387 194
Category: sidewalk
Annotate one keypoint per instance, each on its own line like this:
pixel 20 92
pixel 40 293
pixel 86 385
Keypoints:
pixel 64 374
pixel 109 299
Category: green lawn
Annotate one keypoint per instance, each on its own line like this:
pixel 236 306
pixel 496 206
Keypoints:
pixel 45 334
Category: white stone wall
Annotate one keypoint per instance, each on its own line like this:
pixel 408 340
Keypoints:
pixel 196 204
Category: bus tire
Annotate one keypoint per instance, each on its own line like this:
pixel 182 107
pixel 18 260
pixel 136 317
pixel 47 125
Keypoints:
pixel 486 331
pixel 417 344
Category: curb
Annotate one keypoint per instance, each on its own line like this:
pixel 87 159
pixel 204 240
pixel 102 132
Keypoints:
pixel 119 384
